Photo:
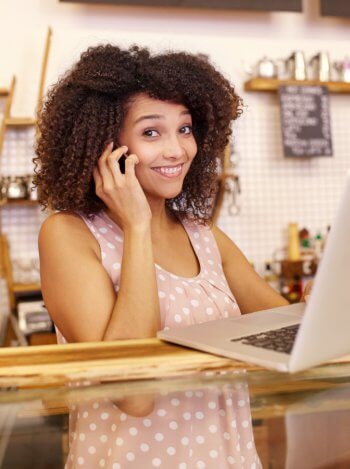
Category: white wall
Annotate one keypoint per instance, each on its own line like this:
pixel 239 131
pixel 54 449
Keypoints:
pixel 228 36
pixel 233 40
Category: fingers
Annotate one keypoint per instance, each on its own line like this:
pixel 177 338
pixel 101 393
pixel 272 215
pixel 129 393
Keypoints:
pixel 107 150
pixel 308 287
pixel 107 174
pixel 107 178
pixel 108 166
pixel 97 179
pixel 113 165
pixel 307 291
pixel 130 163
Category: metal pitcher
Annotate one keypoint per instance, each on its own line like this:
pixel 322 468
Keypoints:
pixel 16 188
pixel 266 68
pixel 296 66
pixel 342 68
pixel 320 66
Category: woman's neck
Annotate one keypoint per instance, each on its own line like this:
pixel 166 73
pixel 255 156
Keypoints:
pixel 162 219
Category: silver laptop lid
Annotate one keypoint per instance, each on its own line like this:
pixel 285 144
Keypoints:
pixel 325 329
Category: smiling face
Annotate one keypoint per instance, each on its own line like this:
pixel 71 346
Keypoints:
pixel 160 134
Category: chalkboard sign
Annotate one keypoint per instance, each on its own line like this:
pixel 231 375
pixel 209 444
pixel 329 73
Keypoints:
pixel 335 8
pixel 305 120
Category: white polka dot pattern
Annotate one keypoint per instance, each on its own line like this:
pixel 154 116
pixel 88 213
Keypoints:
pixel 202 429
pixel 194 429
pixel 183 301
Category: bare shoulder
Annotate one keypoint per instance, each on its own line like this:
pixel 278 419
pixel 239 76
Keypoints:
pixel 225 244
pixel 229 251
pixel 63 222
pixel 220 236
pixel 69 229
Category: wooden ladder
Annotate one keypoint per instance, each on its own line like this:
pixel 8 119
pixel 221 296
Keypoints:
pixel 11 122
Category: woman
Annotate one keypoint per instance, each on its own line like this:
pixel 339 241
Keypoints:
pixel 130 253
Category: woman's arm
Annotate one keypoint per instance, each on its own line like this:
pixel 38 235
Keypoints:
pixel 78 292
pixel 250 290
pixel 76 288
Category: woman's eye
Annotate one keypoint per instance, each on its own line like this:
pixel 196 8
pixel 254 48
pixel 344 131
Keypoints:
pixel 150 133
pixel 186 129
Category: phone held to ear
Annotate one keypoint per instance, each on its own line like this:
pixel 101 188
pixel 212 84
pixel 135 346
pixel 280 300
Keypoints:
pixel 121 160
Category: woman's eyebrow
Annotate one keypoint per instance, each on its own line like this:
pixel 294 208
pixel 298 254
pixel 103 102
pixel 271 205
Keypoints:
pixel 158 116
pixel 148 117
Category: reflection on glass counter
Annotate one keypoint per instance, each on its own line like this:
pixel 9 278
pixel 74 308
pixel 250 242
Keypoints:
pixel 196 428
pixel 217 420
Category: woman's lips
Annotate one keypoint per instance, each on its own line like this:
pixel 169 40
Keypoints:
pixel 169 172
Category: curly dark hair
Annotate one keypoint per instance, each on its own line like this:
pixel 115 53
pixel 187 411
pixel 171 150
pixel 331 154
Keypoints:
pixel 85 109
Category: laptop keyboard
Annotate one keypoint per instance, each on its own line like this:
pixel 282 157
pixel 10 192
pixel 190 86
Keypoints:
pixel 279 340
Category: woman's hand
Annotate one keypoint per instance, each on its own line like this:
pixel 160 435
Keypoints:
pixel 307 291
pixel 121 193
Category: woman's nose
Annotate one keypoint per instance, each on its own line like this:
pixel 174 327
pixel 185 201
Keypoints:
pixel 173 148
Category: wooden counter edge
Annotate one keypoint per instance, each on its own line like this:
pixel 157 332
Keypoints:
pixel 56 365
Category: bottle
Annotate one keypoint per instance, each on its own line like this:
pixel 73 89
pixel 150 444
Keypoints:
pixel 304 237
pixel 293 242
pixel 271 278
pixel 318 245
pixel 295 289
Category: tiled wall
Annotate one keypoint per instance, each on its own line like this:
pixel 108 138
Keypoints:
pixel 277 190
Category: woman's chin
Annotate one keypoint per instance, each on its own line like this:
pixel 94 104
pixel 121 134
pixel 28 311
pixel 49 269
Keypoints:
pixel 165 194
pixel 173 194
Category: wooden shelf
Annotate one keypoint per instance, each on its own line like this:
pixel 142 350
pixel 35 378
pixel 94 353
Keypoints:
pixel 19 121
pixel 272 84
pixel 4 92
pixel 42 338
pixel 25 287
pixel 18 202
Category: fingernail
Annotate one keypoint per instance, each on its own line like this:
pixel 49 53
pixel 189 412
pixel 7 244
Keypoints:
pixel 307 298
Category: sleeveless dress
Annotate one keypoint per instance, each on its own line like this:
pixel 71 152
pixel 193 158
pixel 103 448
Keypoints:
pixel 182 300
pixel 192 429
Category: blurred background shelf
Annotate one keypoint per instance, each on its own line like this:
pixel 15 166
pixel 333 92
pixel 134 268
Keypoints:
pixel 272 84
pixel 4 92
pixel 19 121
pixel 19 202
pixel 25 287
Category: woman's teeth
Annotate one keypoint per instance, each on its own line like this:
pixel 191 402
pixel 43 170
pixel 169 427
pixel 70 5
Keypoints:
pixel 169 171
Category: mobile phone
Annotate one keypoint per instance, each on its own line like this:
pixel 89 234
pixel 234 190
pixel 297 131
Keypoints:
pixel 121 160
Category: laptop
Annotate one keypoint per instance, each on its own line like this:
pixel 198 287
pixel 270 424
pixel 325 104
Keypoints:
pixel 294 337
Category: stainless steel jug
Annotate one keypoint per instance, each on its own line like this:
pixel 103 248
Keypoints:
pixel 320 67
pixel 296 66
pixel 266 68
pixel 16 188
pixel 342 68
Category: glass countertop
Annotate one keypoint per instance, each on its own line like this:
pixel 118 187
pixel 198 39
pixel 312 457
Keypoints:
pixel 209 419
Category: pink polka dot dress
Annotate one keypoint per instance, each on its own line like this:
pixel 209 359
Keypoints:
pixel 196 429
pixel 208 428
pixel 183 301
